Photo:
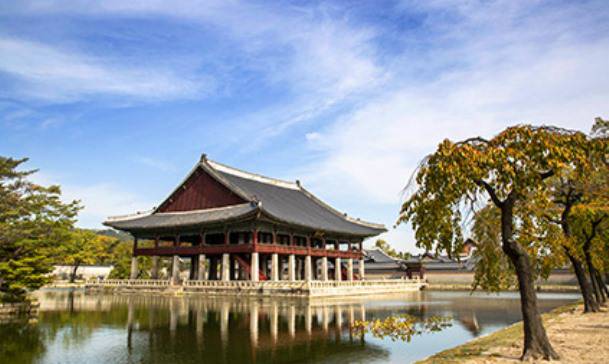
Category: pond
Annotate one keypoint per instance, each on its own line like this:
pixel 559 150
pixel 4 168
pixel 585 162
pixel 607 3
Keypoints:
pixel 74 327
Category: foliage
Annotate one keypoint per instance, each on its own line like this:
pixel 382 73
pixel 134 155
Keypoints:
pixel 511 170
pixel 401 327
pixel 120 256
pixel 384 246
pixel 493 270
pixel 33 222
pixel 83 247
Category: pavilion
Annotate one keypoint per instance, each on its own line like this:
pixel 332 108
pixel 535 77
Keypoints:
pixel 236 225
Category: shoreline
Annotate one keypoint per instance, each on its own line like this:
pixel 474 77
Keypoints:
pixel 466 287
pixel 577 338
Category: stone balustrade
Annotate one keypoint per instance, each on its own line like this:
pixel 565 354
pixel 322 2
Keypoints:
pixel 264 288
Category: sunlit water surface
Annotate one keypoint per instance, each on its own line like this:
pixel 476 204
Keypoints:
pixel 75 327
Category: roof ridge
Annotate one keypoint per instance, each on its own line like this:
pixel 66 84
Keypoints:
pixel 253 176
pixel 133 216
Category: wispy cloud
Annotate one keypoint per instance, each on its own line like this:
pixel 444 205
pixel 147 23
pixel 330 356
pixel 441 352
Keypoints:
pixel 99 200
pixel 543 70
pixel 155 164
pixel 55 74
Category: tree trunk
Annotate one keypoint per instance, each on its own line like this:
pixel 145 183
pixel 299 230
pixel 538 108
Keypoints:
pixel 602 289
pixel 590 303
pixel 598 292
pixel 73 274
pixel 536 343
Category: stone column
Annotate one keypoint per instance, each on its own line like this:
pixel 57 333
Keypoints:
pixel 324 268
pixel 291 267
pixel 308 269
pixel 134 271
pixel 154 271
pixel 202 274
pixel 274 267
pixel 362 270
pixel 350 269
pixel 226 267
pixel 175 270
pixel 338 270
pixel 254 271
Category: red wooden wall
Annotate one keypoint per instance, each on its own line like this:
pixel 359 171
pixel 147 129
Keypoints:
pixel 200 191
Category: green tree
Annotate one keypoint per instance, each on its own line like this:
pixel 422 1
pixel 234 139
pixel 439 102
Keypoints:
pixel 384 246
pixel 83 247
pixel 33 222
pixel 510 168
pixel 120 258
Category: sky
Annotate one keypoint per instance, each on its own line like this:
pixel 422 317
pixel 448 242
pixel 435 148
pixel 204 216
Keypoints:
pixel 116 100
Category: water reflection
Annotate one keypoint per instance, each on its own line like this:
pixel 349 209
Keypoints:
pixel 74 327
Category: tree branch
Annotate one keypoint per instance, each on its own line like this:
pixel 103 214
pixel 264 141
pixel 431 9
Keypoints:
pixel 547 174
pixel 491 191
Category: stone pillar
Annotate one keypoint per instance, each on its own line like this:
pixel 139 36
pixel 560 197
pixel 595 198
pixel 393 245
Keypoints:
pixel 226 267
pixel 338 270
pixel 175 270
pixel 362 270
pixel 202 273
pixel 254 271
pixel 274 267
pixel 350 269
pixel 291 267
pixel 324 268
pixel 308 269
pixel 134 271
pixel 154 271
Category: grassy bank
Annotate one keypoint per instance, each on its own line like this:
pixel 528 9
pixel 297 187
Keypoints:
pixel 564 325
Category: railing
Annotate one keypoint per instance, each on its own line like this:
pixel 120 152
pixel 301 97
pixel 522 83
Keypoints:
pixel 246 284
pixel 209 283
pixel 128 283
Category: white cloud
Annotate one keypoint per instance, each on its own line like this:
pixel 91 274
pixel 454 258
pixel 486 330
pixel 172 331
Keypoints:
pixel 100 200
pixel 370 153
pixel 56 74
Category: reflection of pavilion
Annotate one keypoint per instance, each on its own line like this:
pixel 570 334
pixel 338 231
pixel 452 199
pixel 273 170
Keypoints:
pixel 281 323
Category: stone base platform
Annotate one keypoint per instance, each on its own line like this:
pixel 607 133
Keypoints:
pixel 265 288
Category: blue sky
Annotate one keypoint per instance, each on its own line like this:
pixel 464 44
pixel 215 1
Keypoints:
pixel 116 100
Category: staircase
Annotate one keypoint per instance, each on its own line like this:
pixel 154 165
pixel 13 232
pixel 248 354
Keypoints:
pixel 244 263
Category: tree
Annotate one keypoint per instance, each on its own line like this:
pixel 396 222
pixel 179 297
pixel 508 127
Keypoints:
pixel 33 222
pixel 510 168
pixel 384 246
pixel 83 247
pixel 120 258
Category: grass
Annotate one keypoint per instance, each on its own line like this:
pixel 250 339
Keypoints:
pixel 505 337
